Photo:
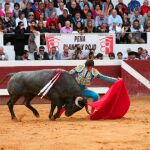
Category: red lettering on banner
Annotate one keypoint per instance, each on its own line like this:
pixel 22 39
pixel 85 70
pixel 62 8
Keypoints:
pixel 106 44
pixel 52 41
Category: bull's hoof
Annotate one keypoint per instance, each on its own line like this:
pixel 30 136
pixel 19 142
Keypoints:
pixel 52 118
pixel 14 119
pixel 37 115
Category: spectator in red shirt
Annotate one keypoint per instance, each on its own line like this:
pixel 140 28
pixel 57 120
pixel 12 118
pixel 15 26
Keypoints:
pixel 40 11
pixel 145 7
pixel 51 19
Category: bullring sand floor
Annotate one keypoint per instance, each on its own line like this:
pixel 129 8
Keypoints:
pixel 77 132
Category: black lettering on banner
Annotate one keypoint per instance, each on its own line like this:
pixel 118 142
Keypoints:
pixel 79 38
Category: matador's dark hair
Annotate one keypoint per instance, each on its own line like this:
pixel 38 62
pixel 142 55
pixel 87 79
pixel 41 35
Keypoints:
pixel 89 63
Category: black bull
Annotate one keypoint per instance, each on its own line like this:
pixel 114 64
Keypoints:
pixel 65 92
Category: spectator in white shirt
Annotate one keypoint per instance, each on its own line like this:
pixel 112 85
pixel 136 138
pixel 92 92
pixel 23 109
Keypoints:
pixel 22 18
pixel 60 9
pixel 114 28
pixel 10 3
pixel 65 55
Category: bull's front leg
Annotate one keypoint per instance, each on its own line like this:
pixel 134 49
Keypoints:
pixel 57 114
pixel 53 106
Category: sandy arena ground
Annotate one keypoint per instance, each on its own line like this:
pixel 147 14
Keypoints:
pixel 77 132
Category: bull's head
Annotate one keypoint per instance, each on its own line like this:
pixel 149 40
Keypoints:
pixel 77 104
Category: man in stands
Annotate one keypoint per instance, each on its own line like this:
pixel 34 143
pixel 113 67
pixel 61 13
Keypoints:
pixel 3 56
pixel 66 55
pixel 54 54
pixel 67 28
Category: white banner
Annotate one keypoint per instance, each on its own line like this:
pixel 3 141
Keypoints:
pixel 101 43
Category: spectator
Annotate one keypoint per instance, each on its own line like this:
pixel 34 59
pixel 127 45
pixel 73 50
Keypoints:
pixel 146 18
pixel 31 43
pixel 103 28
pixel 60 9
pixel 134 5
pixel 96 12
pixel 136 16
pixel 125 19
pixel 119 55
pixel 65 55
pixel 108 7
pixel 101 19
pixel 27 10
pixel 115 17
pixel 49 10
pixel 32 28
pixel 132 55
pixel 53 28
pixel 86 2
pixel 114 28
pixel 147 29
pixel 91 56
pixel 35 6
pixel 90 28
pixel 137 30
pixel 77 19
pixel 22 18
pixel 99 56
pixel 3 56
pixel 89 18
pixel 144 55
pixel 19 40
pixel 54 54
pixel 31 17
pixel 85 11
pixel 140 50
pixel 77 54
pixel 67 28
pixel 111 56
pixel 11 5
pixel 16 10
pixel 57 2
pixel 145 7
pixel 51 19
pixel 23 4
pixel 25 55
pixel 40 54
pixel 5 10
pixel 40 11
pixel 63 18
pixel 79 28
pixel 1 26
pixel 73 7
pixel 121 8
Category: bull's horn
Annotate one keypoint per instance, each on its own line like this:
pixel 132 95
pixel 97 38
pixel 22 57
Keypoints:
pixel 77 101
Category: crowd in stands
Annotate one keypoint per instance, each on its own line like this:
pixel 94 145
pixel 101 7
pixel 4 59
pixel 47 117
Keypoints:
pixel 129 22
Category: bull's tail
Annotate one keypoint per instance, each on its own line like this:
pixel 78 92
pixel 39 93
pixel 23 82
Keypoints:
pixel 7 76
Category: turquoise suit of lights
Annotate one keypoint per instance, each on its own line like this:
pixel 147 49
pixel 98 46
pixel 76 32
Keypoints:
pixel 84 78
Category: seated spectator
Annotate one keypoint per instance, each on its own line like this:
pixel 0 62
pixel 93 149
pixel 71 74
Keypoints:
pixel 103 28
pixel 134 5
pixel 57 2
pixel 52 28
pixel 119 55
pixel 146 18
pixel 114 28
pixel 53 19
pixel 5 10
pixel 126 35
pixel 121 8
pixel 27 10
pixel 125 19
pixel 96 12
pixel 67 28
pixel 132 55
pixel 25 55
pixel 22 18
pixel 140 50
pixel 32 28
pixel 35 6
pixel 59 10
pixel 115 17
pixel 145 7
pixel 108 7
pixel 111 56
pixel 77 19
pixel 144 55
pixel 54 54
pixel 90 28
pixel 86 2
pixel 19 42
pixel 65 55
pixel 23 4
pixel 85 11
pixel 39 11
pixel 137 30
pixel 3 56
pixel 31 17
pixel 99 56
pixel 49 10
pixel 101 19
pixel 77 54
pixel 73 7
pixel 11 5
pixel 79 28
pixel 40 54
pixel 16 10
pixel 91 56
pixel 147 28
pixel 63 18
pixel 89 18
pixel 136 16
pixel 1 26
